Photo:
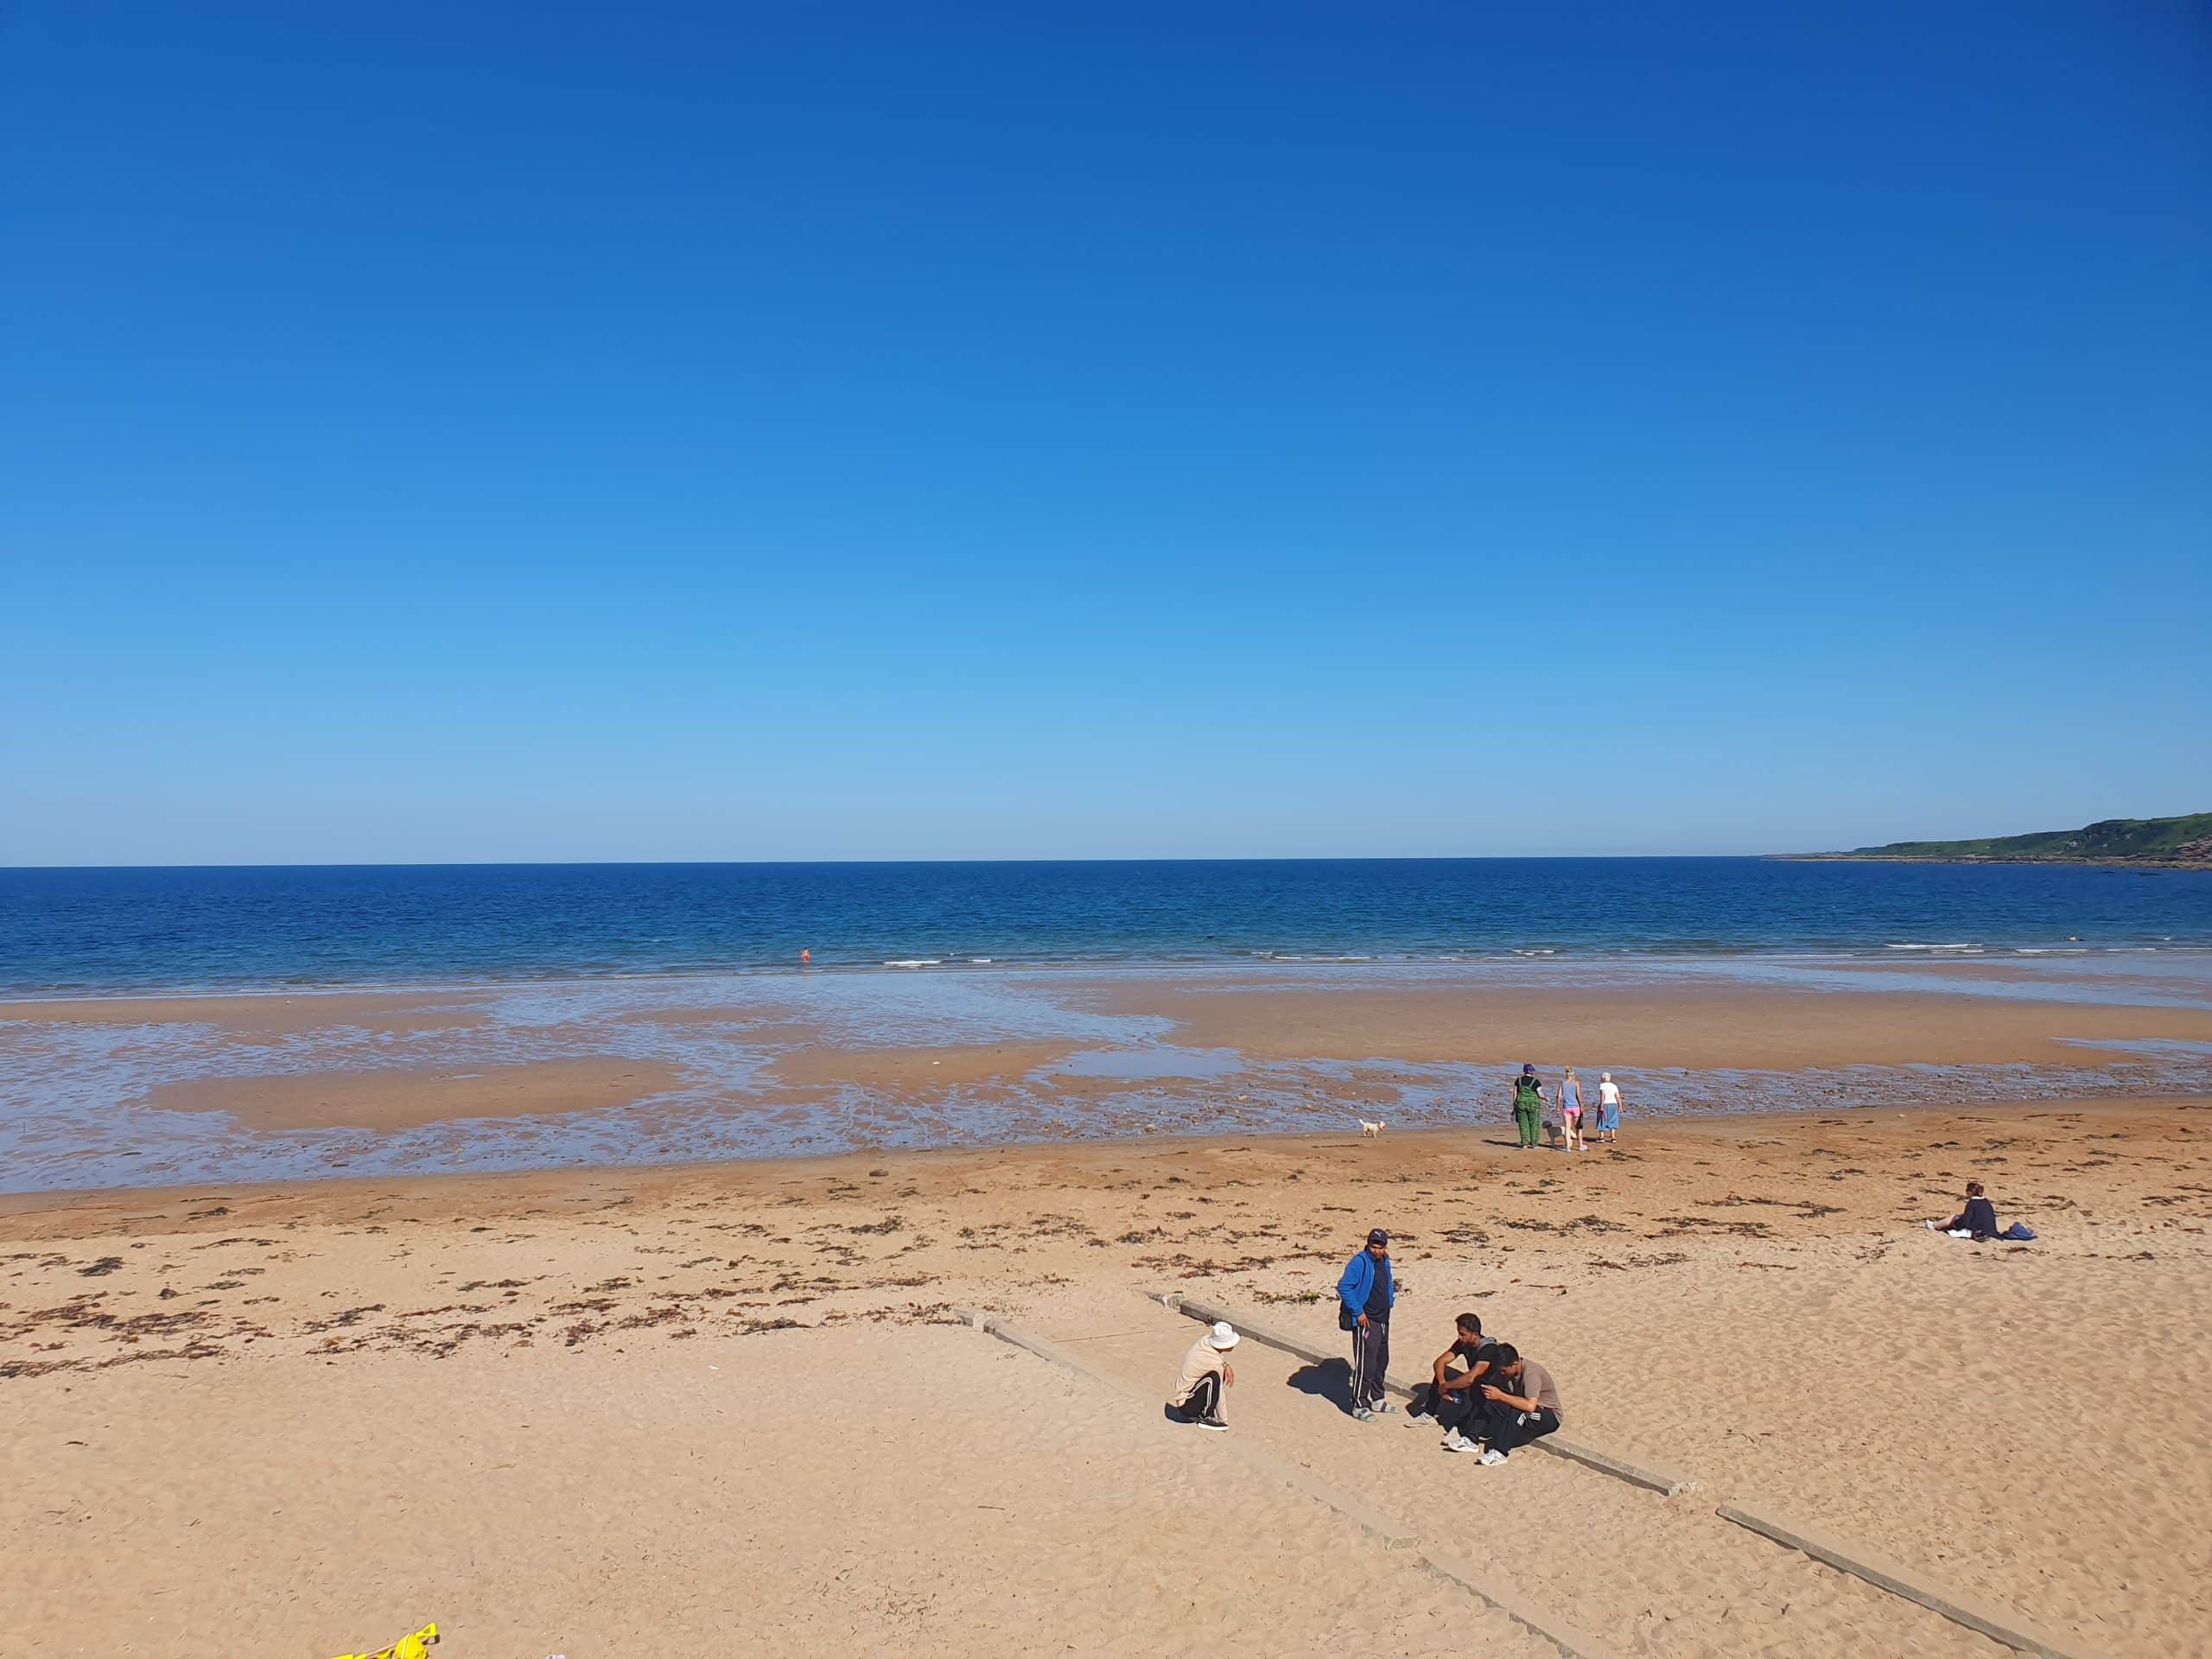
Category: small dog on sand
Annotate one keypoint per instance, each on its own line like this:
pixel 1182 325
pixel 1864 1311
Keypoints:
pixel 1371 1130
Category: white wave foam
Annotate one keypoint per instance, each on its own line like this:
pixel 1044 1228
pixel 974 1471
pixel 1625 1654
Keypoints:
pixel 915 962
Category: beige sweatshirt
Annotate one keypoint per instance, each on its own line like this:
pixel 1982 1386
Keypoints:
pixel 1202 1358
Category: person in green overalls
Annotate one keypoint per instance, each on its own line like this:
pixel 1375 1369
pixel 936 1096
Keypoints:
pixel 1528 1106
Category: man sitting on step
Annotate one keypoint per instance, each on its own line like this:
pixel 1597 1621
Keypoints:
pixel 1521 1402
pixel 1454 1397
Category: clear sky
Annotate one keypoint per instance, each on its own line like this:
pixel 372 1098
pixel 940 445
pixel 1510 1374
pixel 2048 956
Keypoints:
pixel 437 431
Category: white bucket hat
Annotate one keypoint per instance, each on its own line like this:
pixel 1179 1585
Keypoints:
pixel 1223 1334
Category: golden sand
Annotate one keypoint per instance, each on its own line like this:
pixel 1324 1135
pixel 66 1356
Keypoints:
pixel 712 1410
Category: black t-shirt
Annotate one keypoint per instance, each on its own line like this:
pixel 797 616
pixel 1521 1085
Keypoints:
pixel 1378 1292
pixel 1482 1349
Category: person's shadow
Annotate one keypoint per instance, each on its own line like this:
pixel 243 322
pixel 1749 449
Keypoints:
pixel 1330 1380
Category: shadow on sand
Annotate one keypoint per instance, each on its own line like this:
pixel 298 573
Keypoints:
pixel 1330 1380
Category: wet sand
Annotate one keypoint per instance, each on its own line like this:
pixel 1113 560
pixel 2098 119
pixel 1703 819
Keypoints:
pixel 685 1409
pixel 391 1100
pixel 1697 1027
pixel 654 1071
pixel 261 1016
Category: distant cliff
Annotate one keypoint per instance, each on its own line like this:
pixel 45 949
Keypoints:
pixel 2184 844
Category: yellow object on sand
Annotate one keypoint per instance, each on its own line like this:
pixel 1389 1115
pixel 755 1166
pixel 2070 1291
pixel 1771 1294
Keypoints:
pixel 416 1646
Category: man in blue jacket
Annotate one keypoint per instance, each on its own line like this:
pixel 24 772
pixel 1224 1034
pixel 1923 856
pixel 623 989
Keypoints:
pixel 1364 1296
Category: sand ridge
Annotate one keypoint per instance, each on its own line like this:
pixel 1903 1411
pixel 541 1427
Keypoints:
pixel 1697 1027
pixel 403 1098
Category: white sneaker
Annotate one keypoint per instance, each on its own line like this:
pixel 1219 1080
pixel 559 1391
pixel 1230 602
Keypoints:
pixel 1455 1441
pixel 1493 1455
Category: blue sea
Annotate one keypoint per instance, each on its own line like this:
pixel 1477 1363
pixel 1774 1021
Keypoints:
pixel 1081 975
pixel 113 931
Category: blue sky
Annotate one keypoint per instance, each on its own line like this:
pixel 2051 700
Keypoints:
pixel 542 432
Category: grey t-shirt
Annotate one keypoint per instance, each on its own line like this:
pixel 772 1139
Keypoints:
pixel 1535 1383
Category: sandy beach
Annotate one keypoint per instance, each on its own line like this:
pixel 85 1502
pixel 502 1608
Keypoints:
pixel 609 1380
pixel 752 750
pixel 703 1410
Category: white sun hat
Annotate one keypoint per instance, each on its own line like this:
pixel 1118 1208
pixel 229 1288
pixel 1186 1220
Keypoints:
pixel 1223 1334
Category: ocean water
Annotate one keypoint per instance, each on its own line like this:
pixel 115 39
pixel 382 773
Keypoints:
pixel 690 971
pixel 104 931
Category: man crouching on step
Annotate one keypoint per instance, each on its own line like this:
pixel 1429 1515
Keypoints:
pixel 1206 1371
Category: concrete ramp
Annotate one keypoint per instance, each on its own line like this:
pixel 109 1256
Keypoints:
pixel 1616 1567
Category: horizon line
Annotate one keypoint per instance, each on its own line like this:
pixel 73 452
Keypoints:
pixel 807 863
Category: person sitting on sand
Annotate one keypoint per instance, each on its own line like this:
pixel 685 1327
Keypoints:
pixel 1528 1106
pixel 1454 1397
pixel 1979 1217
pixel 1521 1403
pixel 1206 1371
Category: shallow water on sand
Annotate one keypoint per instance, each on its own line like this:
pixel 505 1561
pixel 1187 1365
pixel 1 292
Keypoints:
pixel 1040 1055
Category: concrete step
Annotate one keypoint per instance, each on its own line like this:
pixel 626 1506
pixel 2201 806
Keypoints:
pixel 1643 1573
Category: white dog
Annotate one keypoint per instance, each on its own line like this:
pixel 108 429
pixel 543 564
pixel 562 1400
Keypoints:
pixel 1371 1130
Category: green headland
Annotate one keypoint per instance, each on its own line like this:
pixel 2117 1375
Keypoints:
pixel 2183 842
